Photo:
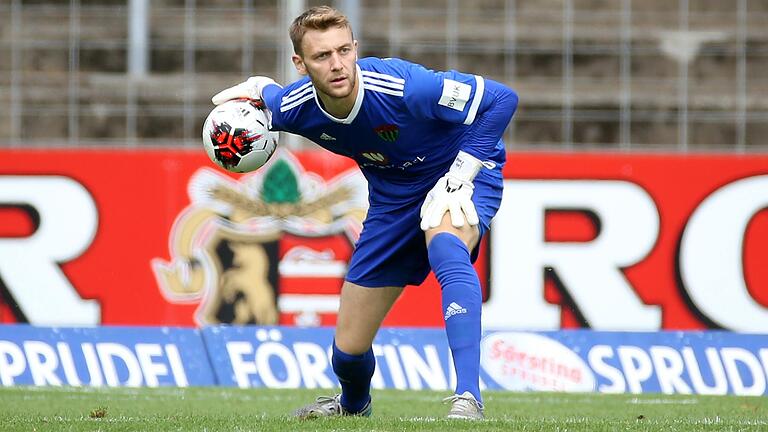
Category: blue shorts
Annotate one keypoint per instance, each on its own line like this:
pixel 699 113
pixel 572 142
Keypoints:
pixel 392 250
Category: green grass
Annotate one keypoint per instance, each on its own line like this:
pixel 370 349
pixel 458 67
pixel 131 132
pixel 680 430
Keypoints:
pixel 224 409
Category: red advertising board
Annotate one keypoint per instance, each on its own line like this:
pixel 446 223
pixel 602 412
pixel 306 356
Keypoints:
pixel 162 237
pixel 632 241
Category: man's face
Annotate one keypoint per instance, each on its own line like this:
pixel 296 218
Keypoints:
pixel 329 58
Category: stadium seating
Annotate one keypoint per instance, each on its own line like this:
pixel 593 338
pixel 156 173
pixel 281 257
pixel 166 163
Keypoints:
pixel 586 79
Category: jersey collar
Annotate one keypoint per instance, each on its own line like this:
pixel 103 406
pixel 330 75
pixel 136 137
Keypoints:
pixel 358 101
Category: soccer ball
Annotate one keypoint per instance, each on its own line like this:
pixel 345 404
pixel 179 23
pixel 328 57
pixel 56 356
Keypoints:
pixel 236 135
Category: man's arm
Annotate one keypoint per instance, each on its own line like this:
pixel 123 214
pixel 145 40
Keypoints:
pixel 271 96
pixel 486 107
pixel 494 113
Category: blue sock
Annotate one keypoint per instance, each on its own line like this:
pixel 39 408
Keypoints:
pixel 462 307
pixel 354 373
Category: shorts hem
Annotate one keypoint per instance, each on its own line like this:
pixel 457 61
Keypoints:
pixel 383 284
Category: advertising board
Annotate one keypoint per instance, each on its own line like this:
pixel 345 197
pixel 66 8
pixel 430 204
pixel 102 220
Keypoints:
pixel 161 237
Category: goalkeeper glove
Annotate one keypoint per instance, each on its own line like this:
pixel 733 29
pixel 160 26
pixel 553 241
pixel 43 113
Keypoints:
pixel 453 193
pixel 249 89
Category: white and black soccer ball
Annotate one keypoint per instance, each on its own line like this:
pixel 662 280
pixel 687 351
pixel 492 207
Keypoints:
pixel 236 135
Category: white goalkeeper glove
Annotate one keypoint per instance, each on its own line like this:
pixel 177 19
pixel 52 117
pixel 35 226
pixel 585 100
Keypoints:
pixel 250 89
pixel 453 194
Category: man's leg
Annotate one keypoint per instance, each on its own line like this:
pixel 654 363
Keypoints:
pixel 360 314
pixel 449 255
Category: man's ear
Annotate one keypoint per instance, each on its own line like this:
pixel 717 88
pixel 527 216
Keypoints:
pixel 299 64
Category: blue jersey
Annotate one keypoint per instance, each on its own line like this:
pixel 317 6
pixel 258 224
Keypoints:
pixel 406 127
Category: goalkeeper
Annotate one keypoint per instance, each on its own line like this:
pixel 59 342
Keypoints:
pixel 429 144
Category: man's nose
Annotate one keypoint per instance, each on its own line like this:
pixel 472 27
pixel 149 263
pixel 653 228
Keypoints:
pixel 335 62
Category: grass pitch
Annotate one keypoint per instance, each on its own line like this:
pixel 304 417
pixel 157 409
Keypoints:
pixel 224 409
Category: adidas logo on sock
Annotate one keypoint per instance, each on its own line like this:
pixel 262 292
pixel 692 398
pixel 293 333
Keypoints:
pixel 454 309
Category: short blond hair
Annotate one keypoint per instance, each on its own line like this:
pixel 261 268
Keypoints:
pixel 316 18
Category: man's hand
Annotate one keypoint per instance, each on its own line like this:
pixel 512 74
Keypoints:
pixel 250 89
pixel 453 194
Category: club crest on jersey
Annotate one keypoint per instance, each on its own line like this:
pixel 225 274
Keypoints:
pixel 387 132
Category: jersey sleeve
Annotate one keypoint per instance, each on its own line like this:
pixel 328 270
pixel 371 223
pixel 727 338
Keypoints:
pixel 449 96
pixel 272 95
pixel 484 106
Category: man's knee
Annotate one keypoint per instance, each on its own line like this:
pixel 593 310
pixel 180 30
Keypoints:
pixel 468 234
pixel 350 342
pixel 360 315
